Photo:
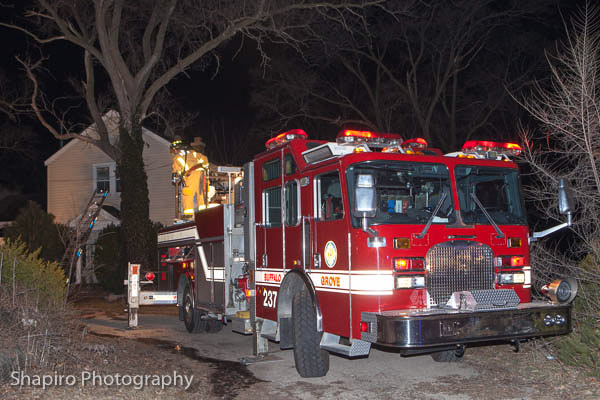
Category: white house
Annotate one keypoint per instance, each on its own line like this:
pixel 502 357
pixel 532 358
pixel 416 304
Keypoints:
pixel 79 168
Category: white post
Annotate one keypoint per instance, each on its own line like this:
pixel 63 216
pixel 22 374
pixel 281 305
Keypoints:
pixel 133 293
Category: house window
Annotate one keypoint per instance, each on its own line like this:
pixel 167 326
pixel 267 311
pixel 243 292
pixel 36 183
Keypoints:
pixel 102 179
pixel 106 178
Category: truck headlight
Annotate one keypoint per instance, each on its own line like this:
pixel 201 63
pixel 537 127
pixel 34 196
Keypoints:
pixel 511 278
pixel 561 291
pixel 410 282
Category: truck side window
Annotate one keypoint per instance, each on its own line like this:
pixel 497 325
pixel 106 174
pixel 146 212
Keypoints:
pixel 289 164
pixel 329 197
pixel 291 203
pixel 271 170
pixel 272 207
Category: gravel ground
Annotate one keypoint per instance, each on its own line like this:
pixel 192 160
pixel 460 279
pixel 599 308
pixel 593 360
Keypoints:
pixel 490 372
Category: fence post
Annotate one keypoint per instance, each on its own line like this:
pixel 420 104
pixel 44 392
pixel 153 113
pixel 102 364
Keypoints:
pixel 1 263
pixel 14 280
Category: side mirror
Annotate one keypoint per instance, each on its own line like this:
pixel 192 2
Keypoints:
pixel 365 204
pixel 365 200
pixel 566 205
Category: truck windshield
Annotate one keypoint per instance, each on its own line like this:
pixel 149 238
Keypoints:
pixel 497 189
pixel 407 193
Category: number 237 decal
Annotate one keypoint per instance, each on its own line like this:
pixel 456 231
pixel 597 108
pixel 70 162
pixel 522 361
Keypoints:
pixel 270 298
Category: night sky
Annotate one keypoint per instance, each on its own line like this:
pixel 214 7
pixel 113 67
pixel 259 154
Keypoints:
pixel 225 95
pixel 210 95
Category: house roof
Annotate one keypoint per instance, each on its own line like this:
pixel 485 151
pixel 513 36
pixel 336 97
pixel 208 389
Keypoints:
pixel 111 119
pixel 103 216
pixel 114 211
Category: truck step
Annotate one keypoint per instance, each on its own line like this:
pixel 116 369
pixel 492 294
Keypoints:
pixel 357 348
pixel 270 336
pixel 241 325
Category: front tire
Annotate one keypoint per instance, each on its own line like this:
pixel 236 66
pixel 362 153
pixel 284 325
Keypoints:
pixel 191 317
pixel 311 361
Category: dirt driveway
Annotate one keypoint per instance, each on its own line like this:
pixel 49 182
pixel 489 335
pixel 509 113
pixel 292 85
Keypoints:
pixel 161 347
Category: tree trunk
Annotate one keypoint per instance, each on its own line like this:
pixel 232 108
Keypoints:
pixel 135 204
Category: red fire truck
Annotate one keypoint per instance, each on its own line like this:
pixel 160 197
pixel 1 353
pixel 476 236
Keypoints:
pixel 330 247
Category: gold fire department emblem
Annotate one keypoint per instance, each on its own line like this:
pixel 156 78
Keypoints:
pixel 330 254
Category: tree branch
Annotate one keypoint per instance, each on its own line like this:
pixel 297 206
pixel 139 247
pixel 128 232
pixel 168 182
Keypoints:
pixel 29 68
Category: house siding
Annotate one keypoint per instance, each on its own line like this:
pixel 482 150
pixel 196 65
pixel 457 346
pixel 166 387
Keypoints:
pixel 71 180
pixel 157 160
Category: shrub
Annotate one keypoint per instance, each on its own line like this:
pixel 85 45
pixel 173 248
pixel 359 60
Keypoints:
pixel 582 347
pixel 33 316
pixel 43 279
pixel 110 260
pixel 37 230
pixel 110 263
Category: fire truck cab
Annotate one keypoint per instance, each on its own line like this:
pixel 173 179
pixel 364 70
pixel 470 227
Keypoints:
pixel 334 246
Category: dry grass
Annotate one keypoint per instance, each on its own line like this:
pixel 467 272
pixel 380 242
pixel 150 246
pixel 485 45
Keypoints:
pixel 32 335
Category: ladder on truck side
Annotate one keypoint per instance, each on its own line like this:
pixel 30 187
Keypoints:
pixel 81 234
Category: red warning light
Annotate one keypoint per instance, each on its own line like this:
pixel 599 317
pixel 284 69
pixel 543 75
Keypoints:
pixel 286 137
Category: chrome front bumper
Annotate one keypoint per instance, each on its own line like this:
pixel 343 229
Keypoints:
pixel 421 329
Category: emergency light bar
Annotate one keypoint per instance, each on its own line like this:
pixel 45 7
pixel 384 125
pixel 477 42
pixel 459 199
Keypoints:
pixel 373 139
pixel 415 144
pixel 286 137
pixel 489 149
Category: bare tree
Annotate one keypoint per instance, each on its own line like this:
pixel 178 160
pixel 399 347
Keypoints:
pixel 16 139
pixel 437 70
pixel 230 141
pixel 141 46
pixel 12 103
pixel 567 145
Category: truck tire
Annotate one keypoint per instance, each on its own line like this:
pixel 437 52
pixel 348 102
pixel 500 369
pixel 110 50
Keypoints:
pixel 191 317
pixel 449 355
pixel 311 361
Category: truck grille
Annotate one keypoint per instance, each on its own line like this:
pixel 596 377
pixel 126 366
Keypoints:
pixel 456 266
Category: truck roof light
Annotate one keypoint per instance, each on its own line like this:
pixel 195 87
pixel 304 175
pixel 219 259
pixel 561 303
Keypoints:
pixel 376 139
pixel 362 134
pixel 415 144
pixel 286 137
pixel 490 149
